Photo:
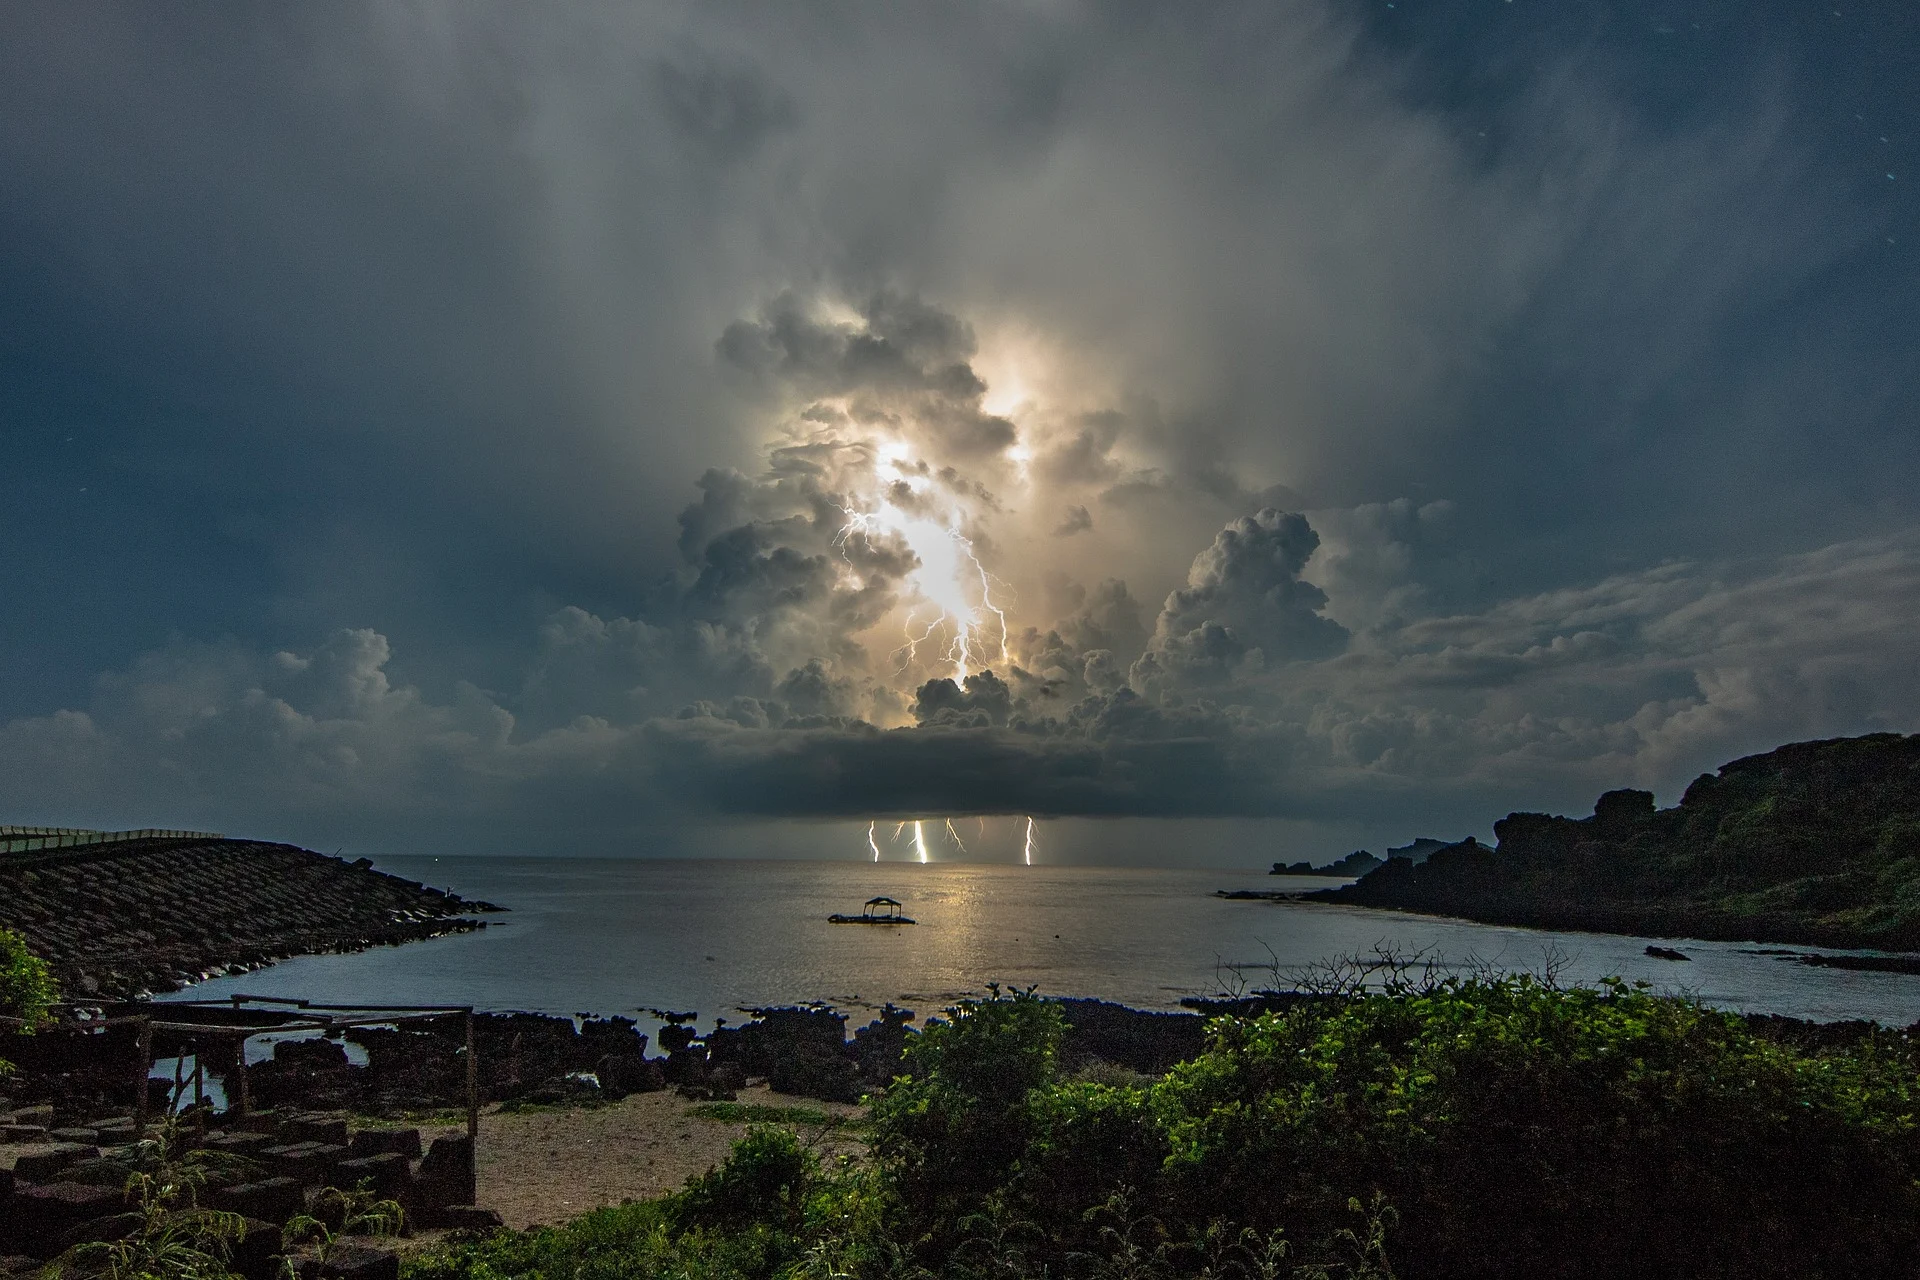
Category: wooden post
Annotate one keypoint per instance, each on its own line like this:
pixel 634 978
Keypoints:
pixel 143 1041
pixel 240 1066
pixel 199 1092
pixel 473 1105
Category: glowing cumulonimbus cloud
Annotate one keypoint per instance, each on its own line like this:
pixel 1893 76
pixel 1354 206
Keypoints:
pixel 947 577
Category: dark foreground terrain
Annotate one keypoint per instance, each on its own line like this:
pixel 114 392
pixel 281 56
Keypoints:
pixel 120 920
pixel 1487 1130
pixel 1815 843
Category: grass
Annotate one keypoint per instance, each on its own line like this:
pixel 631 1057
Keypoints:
pixel 407 1119
pixel 761 1113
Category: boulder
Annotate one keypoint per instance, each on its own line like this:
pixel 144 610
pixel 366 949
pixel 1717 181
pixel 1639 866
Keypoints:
pixel 880 1046
pixel 39 1216
pixel 39 1166
pixel 623 1073
pixel 242 1143
pixel 373 1142
pixel 445 1176
pixel 354 1261
pixel 387 1175
pixel 256 1254
pixel 100 1172
pixel 315 1127
pixel 115 1226
pixel 268 1200
pixel 812 1071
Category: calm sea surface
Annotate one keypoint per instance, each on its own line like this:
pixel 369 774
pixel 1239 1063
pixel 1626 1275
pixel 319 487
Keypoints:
pixel 618 936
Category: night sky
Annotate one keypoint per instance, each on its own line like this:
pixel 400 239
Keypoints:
pixel 644 428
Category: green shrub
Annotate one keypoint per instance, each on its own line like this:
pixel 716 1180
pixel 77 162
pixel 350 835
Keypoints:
pixel 765 1176
pixel 27 989
pixel 951 1129
pixel 1474 1130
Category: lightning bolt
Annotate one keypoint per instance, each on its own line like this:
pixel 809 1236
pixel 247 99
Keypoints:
pixel 956 837
pixel 1029 848
pixel 870 841
pixel 946 575
pixel 920 838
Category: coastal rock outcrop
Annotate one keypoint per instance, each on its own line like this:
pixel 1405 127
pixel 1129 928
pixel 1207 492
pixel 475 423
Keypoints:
pixel 1815 842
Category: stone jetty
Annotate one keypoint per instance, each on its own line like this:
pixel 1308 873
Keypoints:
pixel 126 918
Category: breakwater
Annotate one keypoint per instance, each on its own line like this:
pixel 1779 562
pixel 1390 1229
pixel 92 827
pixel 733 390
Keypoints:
pixel 128 918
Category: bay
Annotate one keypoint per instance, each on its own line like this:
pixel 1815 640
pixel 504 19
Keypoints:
pixel 621 936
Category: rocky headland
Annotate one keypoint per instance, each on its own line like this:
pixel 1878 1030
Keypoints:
pixel 1361 861
pixel 1816 843
pixel 134 917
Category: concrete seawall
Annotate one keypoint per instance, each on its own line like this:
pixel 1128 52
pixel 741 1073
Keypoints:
pixel 118 920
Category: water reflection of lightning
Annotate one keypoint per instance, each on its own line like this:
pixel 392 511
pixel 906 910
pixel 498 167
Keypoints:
pixel 946 573
pixel 956 838
pixel 871 844
pixel 920 839
pixel 1029 849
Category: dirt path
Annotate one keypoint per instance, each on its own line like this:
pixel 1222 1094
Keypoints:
pixel 548 1166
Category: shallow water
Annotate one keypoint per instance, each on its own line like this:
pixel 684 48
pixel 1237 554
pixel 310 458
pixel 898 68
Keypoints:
pixel 623 935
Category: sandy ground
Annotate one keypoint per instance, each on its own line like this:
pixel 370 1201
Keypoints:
pixel 548 1166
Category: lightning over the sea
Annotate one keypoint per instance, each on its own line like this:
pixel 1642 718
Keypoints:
pixel 920 839
pixel 958 842
pixel 871 843
pixel 1028 851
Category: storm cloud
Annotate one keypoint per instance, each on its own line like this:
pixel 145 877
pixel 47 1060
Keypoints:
pixel 476 424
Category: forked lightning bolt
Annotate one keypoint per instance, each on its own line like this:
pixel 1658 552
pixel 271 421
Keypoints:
pixel 946 575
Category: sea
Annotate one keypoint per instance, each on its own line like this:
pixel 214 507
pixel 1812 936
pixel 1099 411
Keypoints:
pixel 718 938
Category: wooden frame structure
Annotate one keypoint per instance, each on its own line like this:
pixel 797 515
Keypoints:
pixel 271 1015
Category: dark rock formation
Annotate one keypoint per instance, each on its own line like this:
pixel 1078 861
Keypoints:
pixel 121 919
pixel 1360 861
pixel 1816 842
pixel 1138 1039
pixel 1357 863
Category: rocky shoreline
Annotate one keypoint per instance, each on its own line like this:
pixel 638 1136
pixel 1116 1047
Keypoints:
pixel 137 917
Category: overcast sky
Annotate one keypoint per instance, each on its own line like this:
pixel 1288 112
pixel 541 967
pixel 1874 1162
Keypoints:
pixel 612 427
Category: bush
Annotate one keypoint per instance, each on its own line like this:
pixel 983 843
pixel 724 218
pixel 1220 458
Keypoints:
pixel 1487 1129
pixel 27 990
pixel 952 1128
pixel 26 987
pixel 765 1176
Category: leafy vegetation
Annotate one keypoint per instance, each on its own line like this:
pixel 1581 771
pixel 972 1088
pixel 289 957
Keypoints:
pixel 1816 842
pixel 170 1235
pixel 761 1113
pixel 27 990
pixel 1483 1128
pixel 336 1214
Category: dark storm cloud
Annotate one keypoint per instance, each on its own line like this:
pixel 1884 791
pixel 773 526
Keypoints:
pixel 452 414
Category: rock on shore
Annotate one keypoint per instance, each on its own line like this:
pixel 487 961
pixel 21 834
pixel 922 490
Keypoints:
pixel 120 920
